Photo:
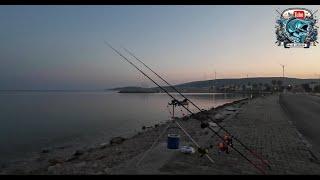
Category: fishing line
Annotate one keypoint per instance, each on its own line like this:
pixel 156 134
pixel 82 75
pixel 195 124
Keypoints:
pixel 154 143
pixel 182 104
pixel 222 128
pixel 194 142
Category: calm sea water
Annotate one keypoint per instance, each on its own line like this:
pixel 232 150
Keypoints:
pixel 31 121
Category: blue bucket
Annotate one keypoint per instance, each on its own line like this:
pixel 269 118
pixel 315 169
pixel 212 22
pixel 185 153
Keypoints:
pixel 173 141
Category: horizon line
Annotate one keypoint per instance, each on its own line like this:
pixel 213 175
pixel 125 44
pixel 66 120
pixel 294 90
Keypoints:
pixel 107 89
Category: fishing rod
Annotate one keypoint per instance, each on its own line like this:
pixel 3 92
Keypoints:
pixel 127 60
pixel 221 127
pixel 163 90
pixel 147 76
pixel 161 78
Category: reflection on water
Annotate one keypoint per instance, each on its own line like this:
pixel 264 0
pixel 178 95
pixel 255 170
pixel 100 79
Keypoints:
pixel 33 120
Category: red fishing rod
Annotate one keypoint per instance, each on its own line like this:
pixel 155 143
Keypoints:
pixel 221 127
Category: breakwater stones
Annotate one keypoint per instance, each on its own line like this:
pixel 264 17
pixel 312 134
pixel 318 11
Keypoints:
pixel 219 116
pixel 103 145
pixel 75 155
pixel 146 127
pixel 231 108
pixel 117 140
pixel 55 161
pixel 199 116
pixel 212 124
pixel 78 153
pixel 53 169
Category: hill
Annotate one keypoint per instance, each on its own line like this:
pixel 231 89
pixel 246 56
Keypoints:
pixel 203 86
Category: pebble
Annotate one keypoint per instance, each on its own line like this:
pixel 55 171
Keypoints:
pixel 53 162
pixel 219 116
pixel 80 164
pixel 103 145
pixel 231 109
pixel 78 153
pixel 71 158
pixel 226 112
pixel 52 169
pixel 212 124
pixel 117 140
pixel 107 170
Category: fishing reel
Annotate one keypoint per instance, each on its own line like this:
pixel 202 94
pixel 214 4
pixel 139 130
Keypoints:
pixel 203 151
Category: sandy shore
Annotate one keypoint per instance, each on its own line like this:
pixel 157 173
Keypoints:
pixel 260 123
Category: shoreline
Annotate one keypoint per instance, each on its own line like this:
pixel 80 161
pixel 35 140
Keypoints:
pixel 259 122
pixel 63 153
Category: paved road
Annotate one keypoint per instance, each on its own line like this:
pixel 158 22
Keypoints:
pixel 304 111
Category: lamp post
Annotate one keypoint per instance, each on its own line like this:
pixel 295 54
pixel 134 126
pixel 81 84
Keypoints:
pixel 283 66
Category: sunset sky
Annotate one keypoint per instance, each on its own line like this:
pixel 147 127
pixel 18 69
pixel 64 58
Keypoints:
pixel 62 47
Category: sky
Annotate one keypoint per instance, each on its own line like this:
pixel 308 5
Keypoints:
pixel 62 47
